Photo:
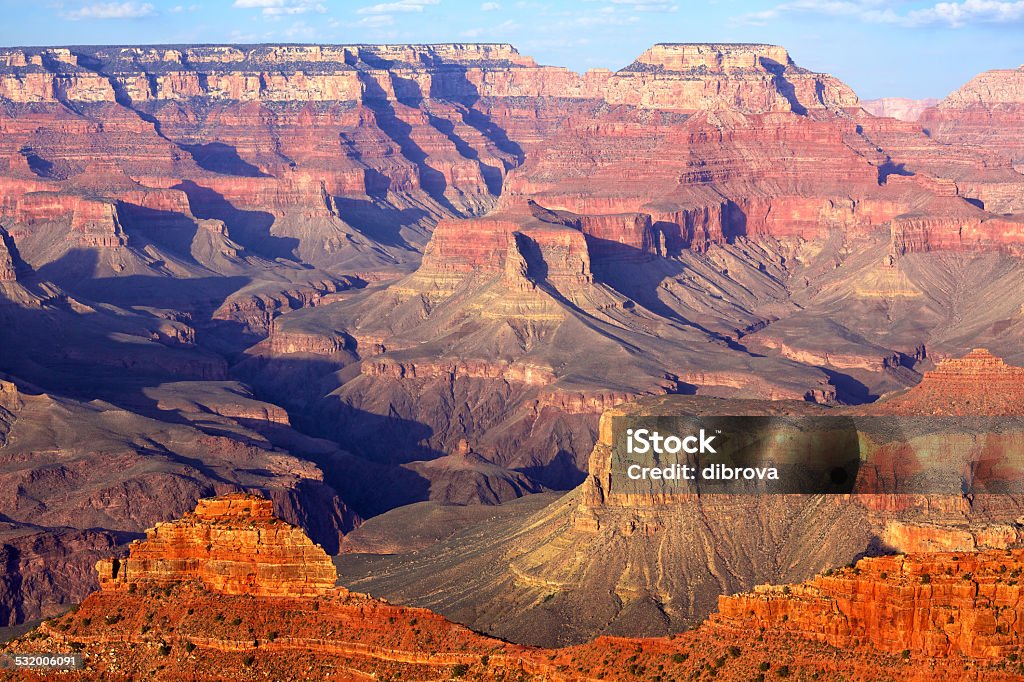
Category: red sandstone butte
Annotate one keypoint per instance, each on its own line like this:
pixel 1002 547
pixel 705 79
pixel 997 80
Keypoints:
pixel 232 545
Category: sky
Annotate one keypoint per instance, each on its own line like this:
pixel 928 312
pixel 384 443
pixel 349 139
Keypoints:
pixel 882 48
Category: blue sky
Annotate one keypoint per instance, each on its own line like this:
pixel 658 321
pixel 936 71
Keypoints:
pixel 910 48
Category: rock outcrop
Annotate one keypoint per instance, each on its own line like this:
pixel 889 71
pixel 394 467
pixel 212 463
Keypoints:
pixel 231 544
pixel 11 265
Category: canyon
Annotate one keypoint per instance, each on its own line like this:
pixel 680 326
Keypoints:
pixel 359 278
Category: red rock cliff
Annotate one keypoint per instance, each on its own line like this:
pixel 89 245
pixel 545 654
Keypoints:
pixel 938 604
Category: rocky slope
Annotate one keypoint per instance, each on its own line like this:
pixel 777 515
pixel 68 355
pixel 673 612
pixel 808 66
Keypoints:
pixel 939 604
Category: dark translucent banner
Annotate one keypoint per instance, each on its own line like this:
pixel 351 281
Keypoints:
pixel 667 455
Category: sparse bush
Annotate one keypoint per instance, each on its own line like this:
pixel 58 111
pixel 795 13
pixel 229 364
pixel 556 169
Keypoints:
pixel 783 671
pixel 460 670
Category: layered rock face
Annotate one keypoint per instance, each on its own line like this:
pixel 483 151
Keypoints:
pixel 939 604
pixel 662 77
pixel 426 132
pixel 986 113
pixel 11 265
pixel 232 545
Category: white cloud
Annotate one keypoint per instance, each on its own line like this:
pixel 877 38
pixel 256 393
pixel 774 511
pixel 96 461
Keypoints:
pixel 489 7
pixel 376 21
pixel 956 14
pixel 300 30
pixel 112 10
pixel 648 5
pixel 969 12
pixel 398 6
pixel 276 8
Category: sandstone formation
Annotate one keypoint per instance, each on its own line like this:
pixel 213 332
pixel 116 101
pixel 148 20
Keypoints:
pixel 985 114
pixel 232 544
